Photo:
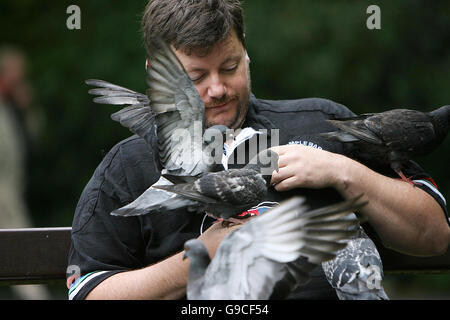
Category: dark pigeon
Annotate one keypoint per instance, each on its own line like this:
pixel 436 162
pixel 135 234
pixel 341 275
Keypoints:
pixel 223 194
pixel 392 137
pixel 357 271
pixel 273 253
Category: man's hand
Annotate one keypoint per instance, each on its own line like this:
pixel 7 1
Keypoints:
pixel 306 167
pixel 214 235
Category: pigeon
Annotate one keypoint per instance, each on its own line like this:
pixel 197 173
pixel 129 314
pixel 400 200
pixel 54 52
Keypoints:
pixel 172 112
pixel 223 195
pixel 273 252
pixel 170 115
pixel 357 271
pixel 392 137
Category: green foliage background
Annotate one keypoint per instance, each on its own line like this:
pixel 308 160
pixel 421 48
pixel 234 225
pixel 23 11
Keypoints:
pixel 297 49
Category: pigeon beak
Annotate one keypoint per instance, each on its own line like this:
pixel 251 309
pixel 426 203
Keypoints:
pixel 184 256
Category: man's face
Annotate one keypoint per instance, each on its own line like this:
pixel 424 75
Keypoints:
pixel 222 78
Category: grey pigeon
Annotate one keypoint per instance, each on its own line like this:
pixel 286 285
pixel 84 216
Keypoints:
pixel 170 116
pixel 274 251
pixel 392 137
pixel 172 112
pixel 223 194
pixel 357 271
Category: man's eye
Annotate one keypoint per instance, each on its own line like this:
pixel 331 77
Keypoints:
pixel 232 68
pixel 195 78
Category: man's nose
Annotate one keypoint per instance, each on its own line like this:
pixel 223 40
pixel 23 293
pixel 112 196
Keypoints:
pixel 217 88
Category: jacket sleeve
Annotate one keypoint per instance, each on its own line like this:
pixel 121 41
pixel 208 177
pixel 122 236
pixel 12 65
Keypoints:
pixel 103 245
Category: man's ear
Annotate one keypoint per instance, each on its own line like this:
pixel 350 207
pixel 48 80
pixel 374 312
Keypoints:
pixel 246 54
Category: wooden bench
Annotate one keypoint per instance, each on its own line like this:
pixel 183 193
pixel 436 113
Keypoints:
pixel 33 255
pixel 39 255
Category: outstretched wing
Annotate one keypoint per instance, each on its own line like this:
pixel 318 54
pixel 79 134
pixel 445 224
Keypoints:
pixel 188 191
pixel 137 116
pixel 285 242
pixel 179 112
pixel 172 110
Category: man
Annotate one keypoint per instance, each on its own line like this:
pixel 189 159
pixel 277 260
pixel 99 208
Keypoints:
pixel 141 257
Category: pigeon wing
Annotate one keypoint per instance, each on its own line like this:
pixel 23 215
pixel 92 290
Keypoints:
pixel 172 111
pixel 357 271
pixel 402 129
pixel 357 128
pixel 179 112
pixel 253 259
pixel 154 199
pixel 136 116
pixel 235 186
pixel 189 191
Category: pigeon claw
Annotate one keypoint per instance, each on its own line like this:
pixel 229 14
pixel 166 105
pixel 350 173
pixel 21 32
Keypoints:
pixel 404 178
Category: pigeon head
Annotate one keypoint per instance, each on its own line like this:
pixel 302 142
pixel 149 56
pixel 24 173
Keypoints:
pixel 194 248
pixel 265 162
pixel 199 258
pixel 441 120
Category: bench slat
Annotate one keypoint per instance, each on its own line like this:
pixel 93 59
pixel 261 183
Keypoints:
pixel 33 255
pixel 37 255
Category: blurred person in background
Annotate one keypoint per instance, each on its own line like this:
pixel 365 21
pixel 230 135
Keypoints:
pixel 15 101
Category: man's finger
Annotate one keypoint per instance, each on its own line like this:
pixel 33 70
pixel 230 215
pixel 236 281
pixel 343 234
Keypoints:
pixel 286 184
pixel 283 173
pixel 283 161
pixel 279 149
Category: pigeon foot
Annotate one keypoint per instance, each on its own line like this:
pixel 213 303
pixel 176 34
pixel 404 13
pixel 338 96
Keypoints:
pixel 404 178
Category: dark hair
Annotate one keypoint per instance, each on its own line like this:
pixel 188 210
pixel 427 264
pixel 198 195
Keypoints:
pixel 192 24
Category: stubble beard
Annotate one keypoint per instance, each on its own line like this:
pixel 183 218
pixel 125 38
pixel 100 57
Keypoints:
pixel 241 111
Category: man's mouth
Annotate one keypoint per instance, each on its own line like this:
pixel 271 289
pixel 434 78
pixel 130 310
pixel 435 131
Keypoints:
pixel 220 106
